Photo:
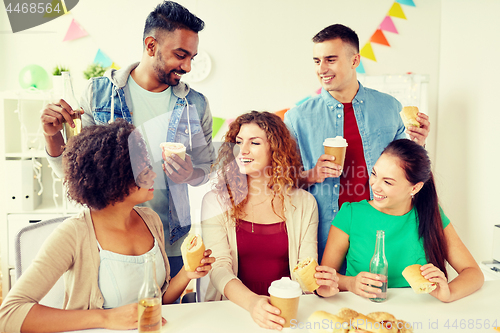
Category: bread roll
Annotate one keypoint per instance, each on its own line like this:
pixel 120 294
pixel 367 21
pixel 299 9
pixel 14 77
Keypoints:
pixel 362 322
pixel 381 316
pixel 192 250
pixel 324 322
pixel 403 326
pixel 409 115
pixel 304 274
pixel 418 283
pixel 347 314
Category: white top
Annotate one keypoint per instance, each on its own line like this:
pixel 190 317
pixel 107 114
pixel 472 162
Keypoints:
pixel 121 276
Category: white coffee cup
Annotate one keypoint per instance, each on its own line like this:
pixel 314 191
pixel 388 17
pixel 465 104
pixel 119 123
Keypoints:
pixel 171 148
pixel 285 295
pixel 336 147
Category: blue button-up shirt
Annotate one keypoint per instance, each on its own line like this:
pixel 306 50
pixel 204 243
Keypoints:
pixel 322 116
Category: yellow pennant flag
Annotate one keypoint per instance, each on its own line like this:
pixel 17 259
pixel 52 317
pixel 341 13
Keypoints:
pixel 367 52
pixel 115 66
pixel 396 11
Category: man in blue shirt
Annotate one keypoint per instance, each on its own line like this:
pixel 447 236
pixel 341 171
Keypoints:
pixel 368 119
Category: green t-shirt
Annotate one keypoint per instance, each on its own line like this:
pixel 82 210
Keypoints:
pixel 402 245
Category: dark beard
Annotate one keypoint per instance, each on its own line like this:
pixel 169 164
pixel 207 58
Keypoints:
pixel 164 77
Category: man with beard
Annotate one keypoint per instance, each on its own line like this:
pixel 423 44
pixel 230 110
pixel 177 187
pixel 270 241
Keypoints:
pixel 149 94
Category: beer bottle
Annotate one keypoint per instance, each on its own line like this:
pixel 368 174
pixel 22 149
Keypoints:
pixel 149 307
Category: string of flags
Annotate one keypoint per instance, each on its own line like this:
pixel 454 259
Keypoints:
pixel 386 25
pixel 76 31
pixel 378 37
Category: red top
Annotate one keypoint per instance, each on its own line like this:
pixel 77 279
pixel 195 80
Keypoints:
pixel 354 181
pixel 262 254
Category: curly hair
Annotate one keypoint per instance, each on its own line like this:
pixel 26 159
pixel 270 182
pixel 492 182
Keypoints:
pixel 231 184
pixel 97 165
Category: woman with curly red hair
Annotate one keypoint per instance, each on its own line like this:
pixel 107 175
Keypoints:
pixel 258 224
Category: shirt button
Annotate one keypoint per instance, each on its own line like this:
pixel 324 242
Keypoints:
pixel 339 105
pixel 336 186
pixel 186 131
pixel 331 107
pixel 361 101
pixel 339 116
pixel 334 210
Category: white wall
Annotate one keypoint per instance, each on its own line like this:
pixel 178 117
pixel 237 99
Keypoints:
pixel 467 132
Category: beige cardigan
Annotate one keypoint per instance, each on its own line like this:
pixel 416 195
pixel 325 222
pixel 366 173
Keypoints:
pixel 219 235
pixel 71 250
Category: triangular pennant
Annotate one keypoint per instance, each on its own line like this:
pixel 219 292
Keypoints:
pixel 216 125
pixel 367 52
pixel 318 91
pixel 360 69
pixel 379 38
pixel 281 113
pixel 406 2
pixel 75 31
pixel 388 25
pixel 102 59
pixel 302 100
pixel 396 11
pixel 115 66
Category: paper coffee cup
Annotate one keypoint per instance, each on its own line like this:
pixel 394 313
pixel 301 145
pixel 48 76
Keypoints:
pixel 285 295
pixel 336 147
pixel 171 148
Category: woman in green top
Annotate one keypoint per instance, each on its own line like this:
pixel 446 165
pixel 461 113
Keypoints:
pixel 405 206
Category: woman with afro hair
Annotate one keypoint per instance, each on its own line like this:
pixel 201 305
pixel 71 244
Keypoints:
pixel 100 251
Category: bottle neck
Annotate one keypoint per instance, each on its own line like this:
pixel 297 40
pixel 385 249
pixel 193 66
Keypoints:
pixel 68 92
pixel 150 269
pixel 380 244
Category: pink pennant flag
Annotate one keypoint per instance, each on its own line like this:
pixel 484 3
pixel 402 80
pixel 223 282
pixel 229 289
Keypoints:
pixel 75 31
pixel 318 91
pixel 388 25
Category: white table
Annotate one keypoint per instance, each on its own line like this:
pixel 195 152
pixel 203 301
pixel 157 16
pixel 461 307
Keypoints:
pixel 425 312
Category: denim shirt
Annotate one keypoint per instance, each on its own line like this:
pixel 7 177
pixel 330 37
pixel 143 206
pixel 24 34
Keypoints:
pixel 194 131
pixel 322 116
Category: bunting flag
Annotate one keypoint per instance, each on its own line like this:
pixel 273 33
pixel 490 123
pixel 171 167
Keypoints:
pixel 115 66
pixel 302 100
pixel 102 59
pixel 360 69
pixel 396 11
pixel 216 125
pixel 388 25
pixel 379 38
pixel 318 91
pixel 406 2
pixel 367 52
pixel 281 113
pixel 75 31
